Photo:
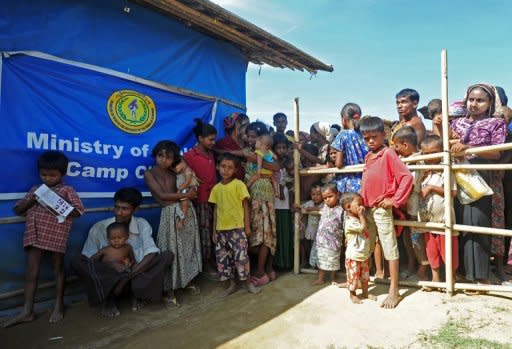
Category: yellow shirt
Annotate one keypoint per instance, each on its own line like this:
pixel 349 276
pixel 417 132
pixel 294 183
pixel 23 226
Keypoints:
pixel 229 200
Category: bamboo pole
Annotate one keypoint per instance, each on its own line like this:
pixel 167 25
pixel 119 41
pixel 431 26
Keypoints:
pixel 19 219
pixel 447 162
pixel 296 184
pixel 359 168
pixel 458 285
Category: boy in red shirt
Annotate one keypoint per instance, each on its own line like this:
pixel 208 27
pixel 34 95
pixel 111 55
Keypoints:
pixel 386 184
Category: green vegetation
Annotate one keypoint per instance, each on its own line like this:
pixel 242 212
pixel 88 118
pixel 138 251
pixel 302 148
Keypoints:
pixel 453 334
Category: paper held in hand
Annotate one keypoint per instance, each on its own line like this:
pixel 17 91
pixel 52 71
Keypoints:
pixel 53 202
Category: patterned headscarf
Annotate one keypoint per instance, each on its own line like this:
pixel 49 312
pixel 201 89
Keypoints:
pixel 491 91
pixel 324 128
pixel 230 121
pixel 457 109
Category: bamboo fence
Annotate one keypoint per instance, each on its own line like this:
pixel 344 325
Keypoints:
pixel 447 228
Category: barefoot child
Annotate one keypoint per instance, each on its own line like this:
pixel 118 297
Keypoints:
pixel 118 254
pixel 232 226
pixel 328 237
pixel 406 145
pixel 431 209
pixel 358 243
pixel 185 180
pixel 43 233
pixel 284 219
pixel 311 221
pixel 386 183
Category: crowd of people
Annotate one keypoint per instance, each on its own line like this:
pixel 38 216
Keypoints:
pixel 227 207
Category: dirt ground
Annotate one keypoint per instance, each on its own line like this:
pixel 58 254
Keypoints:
pixel 288 313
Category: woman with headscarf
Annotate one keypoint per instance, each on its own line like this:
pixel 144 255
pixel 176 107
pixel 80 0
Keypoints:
pixel 321 134
pixel 478 128
pixel 235 139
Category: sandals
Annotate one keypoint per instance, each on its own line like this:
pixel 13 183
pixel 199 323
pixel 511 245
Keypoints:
pixel 260 281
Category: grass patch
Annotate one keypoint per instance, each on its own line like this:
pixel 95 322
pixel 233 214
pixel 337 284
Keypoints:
pixel 452 335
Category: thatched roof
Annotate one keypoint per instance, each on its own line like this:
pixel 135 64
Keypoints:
pixel 259 46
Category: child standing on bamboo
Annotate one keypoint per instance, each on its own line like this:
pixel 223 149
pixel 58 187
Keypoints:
pixel 406 145
pixel 328 237
pixel 431 209
pixel 358 241
pixel 44 233
pixel 386 183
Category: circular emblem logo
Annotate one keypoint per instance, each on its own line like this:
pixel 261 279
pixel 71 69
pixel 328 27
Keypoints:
pixel 131 111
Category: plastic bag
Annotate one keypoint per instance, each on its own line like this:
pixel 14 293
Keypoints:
pixel 471 186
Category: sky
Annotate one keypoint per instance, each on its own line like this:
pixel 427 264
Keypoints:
pixel 377 47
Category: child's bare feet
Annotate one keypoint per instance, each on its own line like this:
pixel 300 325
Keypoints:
pixel 21 318
pixel 251 288
pixel 354 298
pixel 57 314
pixel 391 300
pixel 318 282
pixel 228 291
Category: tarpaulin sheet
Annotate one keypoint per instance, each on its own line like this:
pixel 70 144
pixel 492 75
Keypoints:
pixel 91 117
pixel 140 42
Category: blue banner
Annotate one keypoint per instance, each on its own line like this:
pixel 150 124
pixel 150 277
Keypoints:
pixel 106 125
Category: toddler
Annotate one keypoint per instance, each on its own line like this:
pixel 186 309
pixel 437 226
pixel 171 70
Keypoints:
pixel 431 209
pixel 328 236
pixel 185 180
pixel 119 254
pixel 358 244
pixel 406 145
pixel 263 153
pixel 311 221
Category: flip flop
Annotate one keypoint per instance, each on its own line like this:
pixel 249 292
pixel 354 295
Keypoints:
pixel 260 281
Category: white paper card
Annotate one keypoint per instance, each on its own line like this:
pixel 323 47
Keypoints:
pixel 57 205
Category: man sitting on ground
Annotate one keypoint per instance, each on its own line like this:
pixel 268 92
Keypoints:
pixel 145 278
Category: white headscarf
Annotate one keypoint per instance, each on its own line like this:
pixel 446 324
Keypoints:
pixel 325 129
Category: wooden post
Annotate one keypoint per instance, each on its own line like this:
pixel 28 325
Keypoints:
pixel 296 184
pixel 448 200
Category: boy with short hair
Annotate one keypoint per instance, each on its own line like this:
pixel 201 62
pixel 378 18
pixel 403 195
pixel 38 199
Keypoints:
pixel 406 145
pixel 386 184
pixel 431 209
pixel 44 233
pixel 232 227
